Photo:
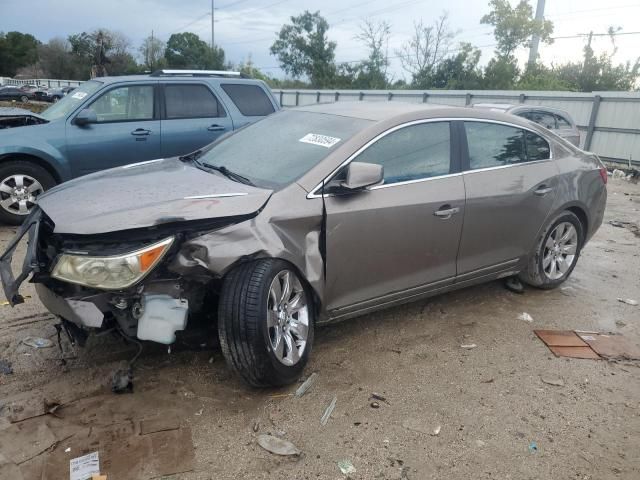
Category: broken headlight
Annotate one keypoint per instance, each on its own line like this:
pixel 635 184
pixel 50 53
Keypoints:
pixel 111 272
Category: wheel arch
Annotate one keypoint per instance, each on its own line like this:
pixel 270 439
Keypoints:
pixel 579 211
pixel 27 157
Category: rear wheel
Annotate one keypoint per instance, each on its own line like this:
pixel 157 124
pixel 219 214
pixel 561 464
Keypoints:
pixel 21 183
pixel 24 99
pixel 265 322
pixel 556 253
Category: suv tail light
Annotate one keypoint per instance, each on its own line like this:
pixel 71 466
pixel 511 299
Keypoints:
pixel 603 175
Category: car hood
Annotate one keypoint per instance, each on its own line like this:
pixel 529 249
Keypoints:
pixel 147 194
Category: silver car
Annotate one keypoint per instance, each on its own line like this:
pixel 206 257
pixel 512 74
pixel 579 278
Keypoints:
pixel 312 215
pixel 554 119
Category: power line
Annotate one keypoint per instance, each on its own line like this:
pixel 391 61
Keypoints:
pixel 232 4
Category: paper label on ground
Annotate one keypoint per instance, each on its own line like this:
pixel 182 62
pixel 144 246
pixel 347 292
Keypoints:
pixel 320 140
pixel 79 95
pixel 590 338
pixel 83 468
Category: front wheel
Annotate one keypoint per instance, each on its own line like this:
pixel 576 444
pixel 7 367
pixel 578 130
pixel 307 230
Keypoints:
pixel 24 99
pixel 21 183
pixel 556 253
pixel 265 322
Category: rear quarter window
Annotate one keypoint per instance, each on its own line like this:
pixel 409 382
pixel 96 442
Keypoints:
pixel 251 100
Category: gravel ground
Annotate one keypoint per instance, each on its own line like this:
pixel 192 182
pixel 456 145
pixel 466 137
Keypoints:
pixel 489 403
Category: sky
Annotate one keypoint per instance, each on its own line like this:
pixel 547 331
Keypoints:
pixel 248 27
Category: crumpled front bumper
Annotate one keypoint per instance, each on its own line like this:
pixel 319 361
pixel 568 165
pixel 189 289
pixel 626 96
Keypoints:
pixel 10 284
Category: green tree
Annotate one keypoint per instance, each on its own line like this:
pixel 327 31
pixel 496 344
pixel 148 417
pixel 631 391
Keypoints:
pixel 187 50
pixel 17 50
pixel 57 61
pixel 514 27
pixel 501 73
pixel 456 72
pixel 152 51
pixel 302 48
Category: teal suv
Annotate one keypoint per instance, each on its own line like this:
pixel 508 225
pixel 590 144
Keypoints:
pixel 113 121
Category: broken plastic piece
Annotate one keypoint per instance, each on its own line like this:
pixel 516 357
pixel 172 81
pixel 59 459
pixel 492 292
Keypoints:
pixel 346 467
pixel 37 342
pixel 328 411
pixel 628 301
pixel 525 317
pixel 277 446
pixel 308 383
pixel 469 346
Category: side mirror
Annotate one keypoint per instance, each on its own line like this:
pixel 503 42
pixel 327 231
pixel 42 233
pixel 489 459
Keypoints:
pixel 85 117
pixel 362 175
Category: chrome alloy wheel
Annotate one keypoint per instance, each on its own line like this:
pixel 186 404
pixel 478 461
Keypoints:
pixel 18 193
pixel 287 317
pixel 560 250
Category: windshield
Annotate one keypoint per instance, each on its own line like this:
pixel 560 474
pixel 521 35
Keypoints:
pixel 276 151
pixel 69 102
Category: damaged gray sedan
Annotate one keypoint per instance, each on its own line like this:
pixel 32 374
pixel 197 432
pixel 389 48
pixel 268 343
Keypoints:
pixel 309 216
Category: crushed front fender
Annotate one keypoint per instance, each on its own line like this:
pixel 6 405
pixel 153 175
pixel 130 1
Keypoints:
pixel 10 284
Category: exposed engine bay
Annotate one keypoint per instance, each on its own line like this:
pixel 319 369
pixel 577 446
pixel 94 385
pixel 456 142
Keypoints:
pixel 18 117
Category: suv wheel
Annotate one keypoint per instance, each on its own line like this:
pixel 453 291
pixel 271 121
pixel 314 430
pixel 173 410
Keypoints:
pixel 556 253
pixel 265 322
pixel 24 99
pixel 20 185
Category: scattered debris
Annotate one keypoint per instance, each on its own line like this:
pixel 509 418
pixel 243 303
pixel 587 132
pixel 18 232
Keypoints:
pixel 37 342
pixel 374 405
pixel 277 446
pixel 6 367
pixel 468 346
pixel 346 467
pixel 67 450
pixel 82 468
pixel 617 173
pixel 436 431
pixel 628 301
pixel 620 323
pixel 256 426
pixel 308 383
pixel 480 443
pixel 490 380
pixel 566 343
pixel 159 424
pixel 122 381
pixel 533 447
pixel 377 396
pixel 590 345
pixel 514 285
pixel 632 227
pixel 199 412
pixel 556 382
pixel 611 347
pixel 328 411
pixel 525 317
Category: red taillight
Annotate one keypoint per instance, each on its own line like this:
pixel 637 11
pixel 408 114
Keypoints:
pixel 603 175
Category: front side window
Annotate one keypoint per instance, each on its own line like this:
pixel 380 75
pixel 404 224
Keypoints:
pixel 410 153
pixel 191 101
pixel 494 145
pixel 123 104
pixel 250 99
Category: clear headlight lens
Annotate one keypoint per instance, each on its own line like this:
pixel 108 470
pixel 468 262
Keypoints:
pixel 110 273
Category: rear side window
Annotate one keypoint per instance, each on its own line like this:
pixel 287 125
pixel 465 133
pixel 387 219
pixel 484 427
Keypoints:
pixel 547 120
pixel 191 101
pixel 413 152
pixel 563 122
pixel 537 147
pixel 251 100
pixel 494 145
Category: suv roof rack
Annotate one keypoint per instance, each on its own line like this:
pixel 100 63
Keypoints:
pixel 196 73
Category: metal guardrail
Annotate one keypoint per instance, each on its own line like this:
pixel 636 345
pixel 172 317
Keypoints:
pixel 46 82
pixel 608 119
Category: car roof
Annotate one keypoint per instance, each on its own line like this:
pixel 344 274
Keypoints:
pixel 397 112
pixel 495 106
pixel 176 78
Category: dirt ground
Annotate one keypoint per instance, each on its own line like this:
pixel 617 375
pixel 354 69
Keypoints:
pixel 498 419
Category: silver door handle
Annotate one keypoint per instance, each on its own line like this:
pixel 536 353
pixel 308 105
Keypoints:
pixel 215 128
pixel 542 190
pixel 141 131
pixel 447 212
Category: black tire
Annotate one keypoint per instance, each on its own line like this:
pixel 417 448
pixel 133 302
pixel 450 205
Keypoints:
pixel 534 274
pixel 242 324
pixel 10 168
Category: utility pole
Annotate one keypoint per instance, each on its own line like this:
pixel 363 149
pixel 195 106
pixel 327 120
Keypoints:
pixel 151 53
pixel 535 39
pixel 213 52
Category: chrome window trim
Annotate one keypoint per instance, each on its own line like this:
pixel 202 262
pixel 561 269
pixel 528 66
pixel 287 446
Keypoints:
pixel 353 156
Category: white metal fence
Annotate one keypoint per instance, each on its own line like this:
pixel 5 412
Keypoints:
pixel 45 82
pixel 609 121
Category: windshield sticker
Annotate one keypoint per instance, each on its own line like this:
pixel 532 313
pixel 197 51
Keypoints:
pixel 321 140
pixel 79 95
